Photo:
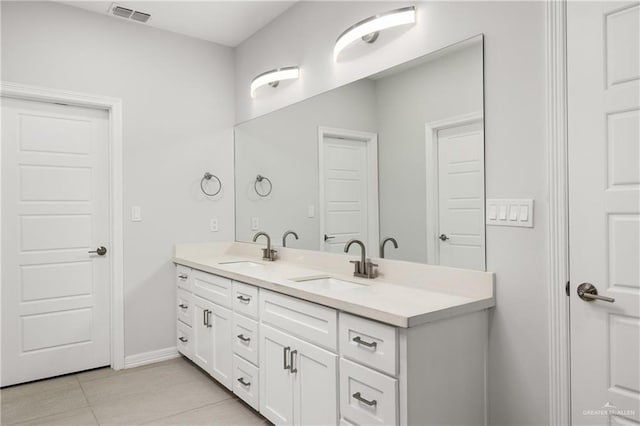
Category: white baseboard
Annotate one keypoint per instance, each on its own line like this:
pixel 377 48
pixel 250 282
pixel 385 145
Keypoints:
pixel 151 357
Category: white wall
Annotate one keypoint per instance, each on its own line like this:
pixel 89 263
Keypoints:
pixel 283 146
pixel 515 150
pixel 178 101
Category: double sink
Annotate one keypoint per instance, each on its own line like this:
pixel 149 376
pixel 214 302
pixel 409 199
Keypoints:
pixel 317 282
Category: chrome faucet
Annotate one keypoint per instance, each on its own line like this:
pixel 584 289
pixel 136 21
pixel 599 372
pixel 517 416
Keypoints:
pixel 284 237
pixel 384 242
pixel 268 253
pixel 364 268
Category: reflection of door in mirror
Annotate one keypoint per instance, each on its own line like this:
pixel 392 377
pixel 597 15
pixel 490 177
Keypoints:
pixel 458 195
pixel 348 188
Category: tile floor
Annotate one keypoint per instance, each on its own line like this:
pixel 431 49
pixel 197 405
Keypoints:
pixel 173 392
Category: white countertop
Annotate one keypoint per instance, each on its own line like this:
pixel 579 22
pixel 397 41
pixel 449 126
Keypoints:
pixel 381 299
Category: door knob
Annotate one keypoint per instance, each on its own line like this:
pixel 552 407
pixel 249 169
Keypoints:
pixel 326 237
pixel 100 251
pixel 443 237
pixel 588 292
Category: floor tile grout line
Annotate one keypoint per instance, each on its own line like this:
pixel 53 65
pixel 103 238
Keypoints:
pixel 186 411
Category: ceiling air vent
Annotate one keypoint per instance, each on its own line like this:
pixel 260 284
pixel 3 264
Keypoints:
pixel 128 13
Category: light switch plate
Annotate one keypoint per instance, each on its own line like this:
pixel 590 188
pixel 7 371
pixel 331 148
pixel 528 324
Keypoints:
pixel 510 212
pixel 136 214
pixel 255 223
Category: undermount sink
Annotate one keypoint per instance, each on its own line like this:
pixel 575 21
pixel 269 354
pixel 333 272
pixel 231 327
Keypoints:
pixel 329 283
pixel 242 263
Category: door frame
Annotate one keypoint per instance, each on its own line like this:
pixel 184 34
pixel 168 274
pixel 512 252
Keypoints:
pixel 113 106
pixel 431 151
pixel 558 211
pixel 373 214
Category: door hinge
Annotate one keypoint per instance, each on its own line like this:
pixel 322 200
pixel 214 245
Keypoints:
pixel 566 288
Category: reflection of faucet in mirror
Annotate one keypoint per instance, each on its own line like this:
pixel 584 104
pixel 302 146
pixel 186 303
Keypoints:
pixel 284 237
pixel 364 268
pixel 267 253
pixel 384 242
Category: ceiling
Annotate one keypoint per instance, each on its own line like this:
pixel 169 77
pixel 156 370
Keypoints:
pixel 224 22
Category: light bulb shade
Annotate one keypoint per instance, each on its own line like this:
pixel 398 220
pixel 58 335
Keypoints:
pixel 273 77
pixel 373 24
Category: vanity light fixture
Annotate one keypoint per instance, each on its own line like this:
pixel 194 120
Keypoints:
pixel 273 78
pixel 368 29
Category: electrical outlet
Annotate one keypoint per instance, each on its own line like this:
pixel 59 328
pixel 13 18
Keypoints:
pixel 213 225
pixel 255 223
pixel 136 214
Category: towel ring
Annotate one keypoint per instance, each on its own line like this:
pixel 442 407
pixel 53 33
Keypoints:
pixel 259 179
pixel 209 176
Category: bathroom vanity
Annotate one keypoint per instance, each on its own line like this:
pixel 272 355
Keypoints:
pixel 304 342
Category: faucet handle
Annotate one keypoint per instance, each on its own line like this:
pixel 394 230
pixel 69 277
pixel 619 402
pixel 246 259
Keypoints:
pixel 370 270
pixel 357 266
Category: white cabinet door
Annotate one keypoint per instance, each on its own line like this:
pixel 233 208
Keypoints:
pixel 276 382
pixel 221 320
pixel 202 333
pixel 315 391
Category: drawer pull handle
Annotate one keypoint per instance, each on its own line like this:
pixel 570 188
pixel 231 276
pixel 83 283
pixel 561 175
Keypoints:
pixel 372 403
pixel 183 277
pixel 285 355
pixel 244 299
pixel 359 341
pixel 244 339
pixel 183 340
pixel 243 383
pixel 183 306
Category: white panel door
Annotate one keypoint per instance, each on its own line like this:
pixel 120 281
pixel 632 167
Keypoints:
pixel 315 392
pixel 345 201
pixel 203 333
pixel 276 381
pixel 604 222
pixel 55 204
pixel 460 236
pixel 221 366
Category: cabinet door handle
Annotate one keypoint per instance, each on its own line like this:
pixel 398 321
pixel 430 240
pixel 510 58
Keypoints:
pixel 183 306
pixel 204 317
pixel 244 339
pixel 244 299
pixel 359 341
pixel 285 355
pixel 371 403
pixel 209 318
pixel 292 367
pixel 183 340
pixel 243 382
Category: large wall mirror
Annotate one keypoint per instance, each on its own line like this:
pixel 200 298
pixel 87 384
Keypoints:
pixel 399 154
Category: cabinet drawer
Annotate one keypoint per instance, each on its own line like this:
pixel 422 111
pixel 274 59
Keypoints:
pixel 366 396
pixel 184 308
pixel 183 277
pixel 212 287
pixel 245 299
pixel 245 338
pixel 368 342
pixel 245 381
pixel 314 323
pixel 185 340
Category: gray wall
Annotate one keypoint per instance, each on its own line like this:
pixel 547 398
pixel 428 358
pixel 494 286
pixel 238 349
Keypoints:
pixel 444 87
pixel 515 150
pixel 283 146
pixel 178 99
